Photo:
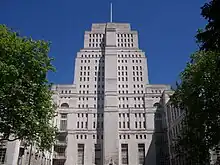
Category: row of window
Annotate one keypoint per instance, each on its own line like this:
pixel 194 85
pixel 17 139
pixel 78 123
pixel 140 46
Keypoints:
pixel 125 156
pixel 102 106
pixel 156 91
pixel 95 78
pixel 138 92
pixel 119 106
pixel 120 86
pixel 122 73
pixel 133 61
pixel 99 125
pixel 126 78
pixel 124 153
pixel 82 124
pixel 66 91
pixel 96 35
pixel 125 35
pixel 126 45
pixel 126 98
pixel 88 73
pixel 83 136
pixel 86 137
pixel 119 68
pixel 139 136
pixel 88 61
pixel 64 115
pixel 99 115
pixel 87 106
pixel 123 85
pixel 96 40
pixel 137 73
pixel 65 97
pixel 123 91
pixel 137 78
pixel 120 56
pixel 122 78
pixel 88 67
pixel 119 98
pixel 129 55
pixel 140 124
pixel 96 45
pixel 84 92
pixel 125 40
pixel 127 114
pixel 134 92
pixel 134 106
pixel 92 55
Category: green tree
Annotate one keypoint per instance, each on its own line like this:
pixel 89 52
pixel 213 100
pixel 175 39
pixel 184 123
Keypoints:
pixel 198 92
pixel 209 38
pixel 26 108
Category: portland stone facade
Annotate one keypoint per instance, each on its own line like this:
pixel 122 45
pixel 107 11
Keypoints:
pixel 106 117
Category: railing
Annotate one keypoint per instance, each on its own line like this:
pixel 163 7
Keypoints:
pixel 61 143
pixel 59 155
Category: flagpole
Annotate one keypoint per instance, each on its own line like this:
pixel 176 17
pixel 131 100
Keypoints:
pixel 111 13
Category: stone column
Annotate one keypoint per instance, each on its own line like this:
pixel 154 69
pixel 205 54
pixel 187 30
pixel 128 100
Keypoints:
pixel 111 143
pixel 12 152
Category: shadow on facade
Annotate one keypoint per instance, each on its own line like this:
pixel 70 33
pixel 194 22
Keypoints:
pixel 100 93
pixel 158 152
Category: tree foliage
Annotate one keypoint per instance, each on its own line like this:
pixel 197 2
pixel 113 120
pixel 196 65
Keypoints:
pixel 26 109
pixel 209 38
pixel 198 92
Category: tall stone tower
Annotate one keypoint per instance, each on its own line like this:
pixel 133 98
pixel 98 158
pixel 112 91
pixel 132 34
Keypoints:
pixel 106 117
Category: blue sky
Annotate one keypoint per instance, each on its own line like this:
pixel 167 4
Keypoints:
pixel 166 29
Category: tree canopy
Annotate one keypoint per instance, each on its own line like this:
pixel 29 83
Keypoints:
pixel 26 108
pixel 209 37
pixel 198 92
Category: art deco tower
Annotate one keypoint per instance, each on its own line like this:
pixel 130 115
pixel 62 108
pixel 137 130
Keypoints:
pixel 106 117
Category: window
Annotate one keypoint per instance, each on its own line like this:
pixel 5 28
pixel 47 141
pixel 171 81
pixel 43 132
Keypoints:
pixel 80 160
pixel 98 154
pixel 81 124
pixel 141 153
pixel 124 153
pixel 64 105
pixel 63 115
pixel 2 155
pixel 63 124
